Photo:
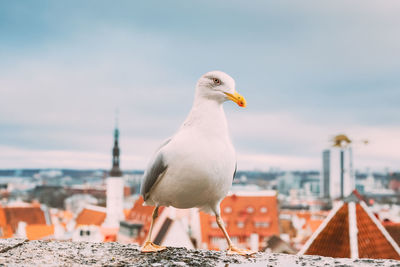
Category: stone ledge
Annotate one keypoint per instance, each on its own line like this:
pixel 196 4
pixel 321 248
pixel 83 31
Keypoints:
pixel 20 252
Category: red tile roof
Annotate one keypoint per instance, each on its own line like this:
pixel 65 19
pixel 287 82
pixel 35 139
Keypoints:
pixel 243 215
pixel 352 231
pixel 394 230
pixel 371 242
pixel 39 231
pixel 11 216
pixel 90 216
pixel 329 242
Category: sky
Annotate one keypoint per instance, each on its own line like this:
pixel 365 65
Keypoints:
pixel 309 70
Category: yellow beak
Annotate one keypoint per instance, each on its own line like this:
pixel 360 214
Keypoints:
pixel 237 98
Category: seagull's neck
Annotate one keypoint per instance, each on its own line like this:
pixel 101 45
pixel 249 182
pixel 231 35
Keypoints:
pixel 207 114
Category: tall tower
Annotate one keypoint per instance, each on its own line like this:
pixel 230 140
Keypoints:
pixel 115 170
pixel 336 178
pixel 115 188
pixel 326 165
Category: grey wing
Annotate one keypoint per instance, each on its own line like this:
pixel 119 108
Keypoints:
pixel 153 172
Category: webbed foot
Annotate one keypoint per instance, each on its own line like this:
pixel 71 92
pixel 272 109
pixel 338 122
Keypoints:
pixel 151 247
pixel 241 251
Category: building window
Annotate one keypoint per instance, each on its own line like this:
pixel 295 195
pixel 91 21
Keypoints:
pixel 215 240
pixel 81 233
pixel 135 233
pixel 235 239
pixel 261 224
pixel 263 209
pixel 214 225
pixel 240 224
pixel 228 209
pixel 250 209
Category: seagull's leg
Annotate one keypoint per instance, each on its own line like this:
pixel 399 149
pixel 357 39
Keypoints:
pixel 232 249
pixel 148 245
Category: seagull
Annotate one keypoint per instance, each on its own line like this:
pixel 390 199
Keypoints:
pixel 196 166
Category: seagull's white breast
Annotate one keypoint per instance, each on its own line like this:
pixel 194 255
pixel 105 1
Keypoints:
pixel 201 162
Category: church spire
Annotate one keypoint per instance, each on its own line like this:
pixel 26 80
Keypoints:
pixel 116 171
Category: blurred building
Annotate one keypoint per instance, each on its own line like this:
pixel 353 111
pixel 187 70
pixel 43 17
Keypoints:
pixel 25 220
pixel 289 182
pixel 76 203
pixel 296 226
pixel 251 218
pixel 332 181
pixel 88 225
pixel 394 182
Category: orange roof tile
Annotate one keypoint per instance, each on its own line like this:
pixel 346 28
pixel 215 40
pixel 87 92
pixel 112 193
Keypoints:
pixel 394 230
pixel 371 241
pixel 38 231
pixel 329 242
pixel 90 217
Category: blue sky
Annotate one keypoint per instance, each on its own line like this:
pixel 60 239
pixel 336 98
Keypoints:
pixel 308 69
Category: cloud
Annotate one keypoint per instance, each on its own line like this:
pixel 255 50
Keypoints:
pixel 266 162
pixel 309 70
pixel 284 140
pixel 16 157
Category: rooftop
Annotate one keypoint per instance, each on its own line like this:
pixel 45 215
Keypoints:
pixel 91 216
pixel 13 215
pixel 361 234
pixel 19 252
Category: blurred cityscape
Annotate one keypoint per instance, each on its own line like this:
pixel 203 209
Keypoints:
pixel 307 212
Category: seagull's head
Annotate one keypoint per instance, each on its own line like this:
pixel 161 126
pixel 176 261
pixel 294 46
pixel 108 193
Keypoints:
pixel 219 86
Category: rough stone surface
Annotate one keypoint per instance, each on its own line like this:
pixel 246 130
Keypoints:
pixel 7 244
pixel 19 252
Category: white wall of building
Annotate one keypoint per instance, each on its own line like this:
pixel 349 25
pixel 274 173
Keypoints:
pixel 334 187
pixel 115 202
pixel 177 236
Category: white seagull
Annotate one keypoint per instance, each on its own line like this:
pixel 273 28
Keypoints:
pixel 195 167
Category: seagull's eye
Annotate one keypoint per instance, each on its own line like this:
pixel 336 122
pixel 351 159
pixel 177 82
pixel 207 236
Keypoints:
pixel 217 81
